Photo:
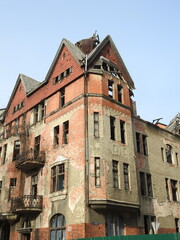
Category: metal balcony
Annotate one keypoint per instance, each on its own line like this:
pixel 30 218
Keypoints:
pixel 31 160
pixel 27 204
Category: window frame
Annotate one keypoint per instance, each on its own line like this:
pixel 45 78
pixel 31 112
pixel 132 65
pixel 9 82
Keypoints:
pixel 97 174
pixel 122 131
pixel 115 173
pixel 58 175
pixel 66 132
pixel 112 128
pixel 96 124
pixel 56 228
pixel 126 176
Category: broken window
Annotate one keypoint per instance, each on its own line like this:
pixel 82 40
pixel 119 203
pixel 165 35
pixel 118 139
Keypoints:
pixel 42 107
pixel 56 136
pixel 96 124
pixel 174 190
pixel 142 183
pixel 148 224
pixel 34 184
pixel 36 146
pixel 126 176
pixel 62 97
pixel 119 89
pixel 16 150
pixel 110 88
pixel 66 132
pixel 167 188
pixel 97 171
pixel 112 127
pixel 36 114
pixel 122 129
pixel 144 142
pixel 57 177
pixel 168 153
pixel 105 66
pixel 149 185
pixel 12 186
pixel 114 224
pixel 145 184
pixel 138 146
pixel 58 227
pixel 4 154
pixel 115 173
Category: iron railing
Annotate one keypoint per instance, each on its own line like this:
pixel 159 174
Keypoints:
pixel 32 156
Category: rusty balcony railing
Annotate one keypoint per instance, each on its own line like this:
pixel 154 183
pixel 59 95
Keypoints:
pixel 30 160
pixel 27 203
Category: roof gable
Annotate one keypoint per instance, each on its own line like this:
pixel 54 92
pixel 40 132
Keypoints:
pixel 93 55
pixel 77 54
pixel 28 85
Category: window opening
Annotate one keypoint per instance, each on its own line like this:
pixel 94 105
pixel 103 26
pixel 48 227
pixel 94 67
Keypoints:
pixel 144 141
pixel 4 154
pixel 110 88
pixel 37 146
pixel 122 129
pixel 56 136
pixel 177 224
pixel 58 227
pixel 97 171
pixel 115 173
pixel 149 185
pixel 12 186
pixel 142 183
pixel 126 176
pixel 174 190
pixel 119 89
pixel 34 184
pixel 62 97
pixel 58 176
pixel 42 109
pixel 162 153
pixel 96 124
pixel 114 224
pixel 16 150
pixel 138 142
pixel 36 114
pixel 168 153
pixel 112 127
pixel 65 132
pixel 167 188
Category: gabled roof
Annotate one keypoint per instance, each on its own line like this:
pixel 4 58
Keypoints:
pixel 28 83
pixel 91 57
pixel 74 50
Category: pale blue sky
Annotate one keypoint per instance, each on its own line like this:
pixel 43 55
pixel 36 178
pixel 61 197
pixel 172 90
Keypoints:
pixel 146 33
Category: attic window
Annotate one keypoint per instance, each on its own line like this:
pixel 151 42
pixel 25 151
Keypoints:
pixel 97 67
pixel 62 75
pixel 18 107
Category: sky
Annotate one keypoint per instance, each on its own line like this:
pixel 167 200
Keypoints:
pixel 145 32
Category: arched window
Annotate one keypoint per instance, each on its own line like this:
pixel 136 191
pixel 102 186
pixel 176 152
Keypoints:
pixel 169 153
pixel 58 227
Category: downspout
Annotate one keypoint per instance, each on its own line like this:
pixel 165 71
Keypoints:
pixel 86 140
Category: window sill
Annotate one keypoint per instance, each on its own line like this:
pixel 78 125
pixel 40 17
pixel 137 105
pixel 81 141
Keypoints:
pixel 59 195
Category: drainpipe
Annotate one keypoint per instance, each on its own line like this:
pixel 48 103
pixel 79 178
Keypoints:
pixel 86 140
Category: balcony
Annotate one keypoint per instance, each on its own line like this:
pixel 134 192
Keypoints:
pixel 17 130
pixel 27 204
pixel 30 161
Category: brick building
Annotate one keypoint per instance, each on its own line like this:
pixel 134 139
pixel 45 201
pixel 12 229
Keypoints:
pixel 76 160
